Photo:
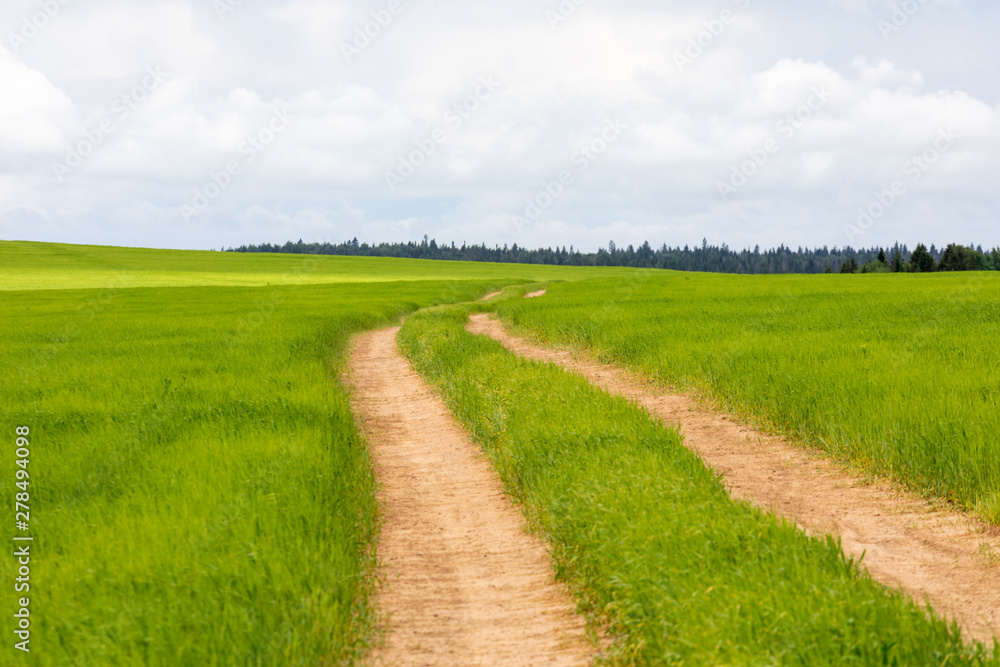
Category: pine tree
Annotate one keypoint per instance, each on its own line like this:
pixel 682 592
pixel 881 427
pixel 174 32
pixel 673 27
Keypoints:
pixel 897 262
pixel 922 261
pixel 881 256
pixel 959 258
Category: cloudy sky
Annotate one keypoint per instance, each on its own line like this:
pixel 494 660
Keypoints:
pixel 173 123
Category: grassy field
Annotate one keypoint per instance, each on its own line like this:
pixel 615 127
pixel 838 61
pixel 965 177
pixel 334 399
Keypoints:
pixel 31 266
pixel 896 373
pixel 199 493
pixel 648 537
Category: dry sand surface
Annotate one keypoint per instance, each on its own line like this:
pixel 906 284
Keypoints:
pixel 535 295
pixel 491 295
pixel 945 557
pixel 462 582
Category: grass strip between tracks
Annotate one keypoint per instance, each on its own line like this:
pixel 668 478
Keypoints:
pixel 648 537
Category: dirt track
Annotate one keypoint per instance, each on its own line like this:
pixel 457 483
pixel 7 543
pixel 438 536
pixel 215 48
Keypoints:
pixel 462 583
pixel 933 554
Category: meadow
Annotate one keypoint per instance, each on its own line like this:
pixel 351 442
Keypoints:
pixel 199 492
pixel 647 536
pixel 34 266
pixel 897 374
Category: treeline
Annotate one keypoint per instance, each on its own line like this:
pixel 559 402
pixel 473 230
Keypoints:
pixel 706 258
pixel 954 258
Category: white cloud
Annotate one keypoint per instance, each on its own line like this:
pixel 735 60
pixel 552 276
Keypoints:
pixel 324 176
pixel 34 115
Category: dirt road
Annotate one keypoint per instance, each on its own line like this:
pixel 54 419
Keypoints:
pixel 462 583
pixel 945 557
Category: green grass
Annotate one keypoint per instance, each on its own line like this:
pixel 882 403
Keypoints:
pixel 898 374
pixel 199 493
pixel 648 537
pixel 32 266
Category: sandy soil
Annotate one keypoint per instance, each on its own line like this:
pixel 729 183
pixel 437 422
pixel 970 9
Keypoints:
pixel 945 557
pixel 535 295
pixel 462 582
pixel 491 295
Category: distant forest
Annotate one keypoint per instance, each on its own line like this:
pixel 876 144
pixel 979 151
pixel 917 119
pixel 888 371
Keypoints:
pixel 706 258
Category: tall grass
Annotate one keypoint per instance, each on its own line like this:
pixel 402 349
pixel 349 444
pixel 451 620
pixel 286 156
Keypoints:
pixel 199 492
pixel 649 538
pixel 896 373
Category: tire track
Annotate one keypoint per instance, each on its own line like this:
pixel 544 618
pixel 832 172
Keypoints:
pixel 461 581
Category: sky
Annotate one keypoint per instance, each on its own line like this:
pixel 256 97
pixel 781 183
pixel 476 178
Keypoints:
pixel 209 124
